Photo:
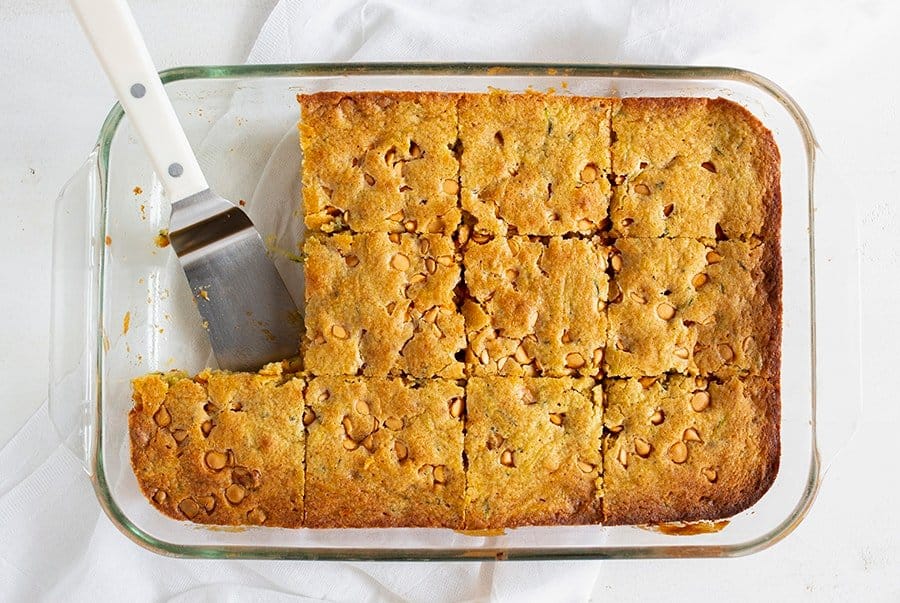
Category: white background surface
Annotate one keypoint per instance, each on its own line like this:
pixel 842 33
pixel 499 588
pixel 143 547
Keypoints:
pixel 837 61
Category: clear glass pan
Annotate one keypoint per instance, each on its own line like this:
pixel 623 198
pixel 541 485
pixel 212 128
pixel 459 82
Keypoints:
pixel 242 122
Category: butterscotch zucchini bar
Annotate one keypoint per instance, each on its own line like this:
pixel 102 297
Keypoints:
pixel 520 309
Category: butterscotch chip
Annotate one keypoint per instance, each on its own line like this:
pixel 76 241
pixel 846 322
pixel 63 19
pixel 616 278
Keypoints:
pixel 678 452
pixel 589 173
pixel 395 423
pixel 457 407
pixel 451 187
pixel 215 460
pixel 725 351
pixel 642 447
pixel 189 508
pixel 641 189
pixel 549 316
pixel 370 157
pixel 389 306
pixel 400 262
pixel 401 450
pixel 574 359
pixel 524 469
pixel 699 401
pixel 695 466
pixel 708 159
pixel 665 310
pixel 691 435
pixel 439 473
pixel 534 163
pixel 162 417
pixel 257 516
pixel 252 458
pixel 586 467
pixel 235 494
pixel 390 480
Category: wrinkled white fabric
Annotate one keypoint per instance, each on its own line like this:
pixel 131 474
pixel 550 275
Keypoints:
pixel 56 543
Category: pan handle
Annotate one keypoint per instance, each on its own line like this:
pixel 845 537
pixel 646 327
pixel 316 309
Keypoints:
pixel 119 46
pixel 73 325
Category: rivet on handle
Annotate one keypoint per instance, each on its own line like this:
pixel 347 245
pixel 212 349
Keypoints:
pixel 175 170
pixel 138 90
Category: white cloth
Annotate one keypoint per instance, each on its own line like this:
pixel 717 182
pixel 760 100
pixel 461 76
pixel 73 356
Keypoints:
pixel 55 542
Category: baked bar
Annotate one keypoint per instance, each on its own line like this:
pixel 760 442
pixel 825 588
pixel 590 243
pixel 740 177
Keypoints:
pixel 693 167
pixel 221 448
pixel 737 311
pixel 684 448
pixel 680 306
pixel 380 162
pixel 534 451
pixel 534 164
pixel 535 308
pixel 381 304
pixel 384 453
pixel 652 285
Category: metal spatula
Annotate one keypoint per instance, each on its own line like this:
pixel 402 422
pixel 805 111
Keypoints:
pixel 250 314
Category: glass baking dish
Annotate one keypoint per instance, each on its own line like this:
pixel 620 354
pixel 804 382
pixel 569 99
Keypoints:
pixel 121 305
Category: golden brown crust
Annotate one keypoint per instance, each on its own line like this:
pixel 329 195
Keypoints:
pixel 693 167
pixel 652 288
pixel 684 307
pixel 536 308
pixel 379 305
pixel 666 461
pixel 381 453
pixel 534 164
pixel 220 448
pixel 380 162
pixel 534 452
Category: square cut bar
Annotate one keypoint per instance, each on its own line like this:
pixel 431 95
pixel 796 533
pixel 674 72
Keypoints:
pixel 693 167
pixel 384 453
pixel 380 162
pixel 534 451
pixel 651 287
pixel 381 304
pixel 681 449
pixel 737 311
pixel 221 448
pixel 534 164
pixel 679 306
pixel 535 308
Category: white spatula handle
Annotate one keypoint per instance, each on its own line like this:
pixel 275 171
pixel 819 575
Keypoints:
pixel 118 44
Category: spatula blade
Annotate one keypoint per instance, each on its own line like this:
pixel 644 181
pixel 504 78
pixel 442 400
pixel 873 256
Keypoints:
pixel 246 307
